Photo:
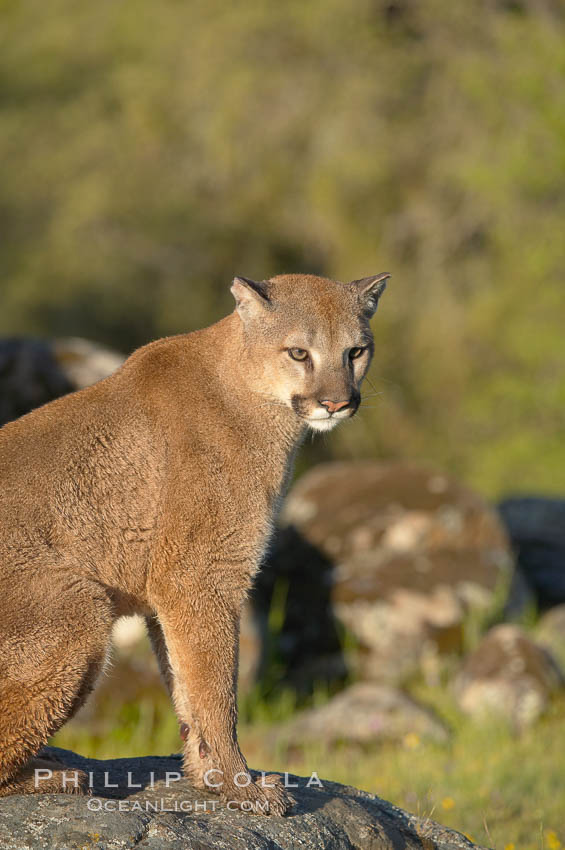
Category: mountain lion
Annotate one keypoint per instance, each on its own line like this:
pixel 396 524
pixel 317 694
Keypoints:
pixel 154 491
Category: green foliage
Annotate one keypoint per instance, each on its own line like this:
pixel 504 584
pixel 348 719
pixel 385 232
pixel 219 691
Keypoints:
pixel 149 151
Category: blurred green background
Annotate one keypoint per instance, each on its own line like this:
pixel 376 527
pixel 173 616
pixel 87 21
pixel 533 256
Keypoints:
pixel 149 151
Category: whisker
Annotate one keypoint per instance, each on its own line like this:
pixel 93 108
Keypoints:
pixel 382 380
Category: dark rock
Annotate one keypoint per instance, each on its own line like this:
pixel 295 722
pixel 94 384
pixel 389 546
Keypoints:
pixel 293 609
pixel 34 372
pixel 366 713
pixel 537 531
pixel 29 377
pixel 333 817
pixel 396 553
pixel 509 675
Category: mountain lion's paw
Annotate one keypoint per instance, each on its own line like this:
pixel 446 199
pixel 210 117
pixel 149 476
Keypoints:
pixel 265 795
pixel 66 780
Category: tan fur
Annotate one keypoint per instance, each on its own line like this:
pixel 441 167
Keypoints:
pixel 154 491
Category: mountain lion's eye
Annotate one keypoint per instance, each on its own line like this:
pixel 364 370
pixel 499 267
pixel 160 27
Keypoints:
pixel 356 352
pixel 298 353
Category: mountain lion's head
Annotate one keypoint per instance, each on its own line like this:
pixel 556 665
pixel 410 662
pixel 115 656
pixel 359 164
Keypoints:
pixel 310 341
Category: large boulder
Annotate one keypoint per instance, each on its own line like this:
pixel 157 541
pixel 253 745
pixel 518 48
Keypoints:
pixel 550 633
pixel 34 372
pixel 366 713
pixel 398 554
pixel 85 362
pixel 29 377
pixel 508 675
pixel 327 816
pixel 537 530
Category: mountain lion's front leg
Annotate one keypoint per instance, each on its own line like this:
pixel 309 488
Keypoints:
pixel 202 635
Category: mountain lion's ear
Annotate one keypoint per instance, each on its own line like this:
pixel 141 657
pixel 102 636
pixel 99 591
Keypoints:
pixel 370 290
pixel 250 296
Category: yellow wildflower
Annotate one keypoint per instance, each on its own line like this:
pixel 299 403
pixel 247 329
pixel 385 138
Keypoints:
pixel 411 741
pixel 553 841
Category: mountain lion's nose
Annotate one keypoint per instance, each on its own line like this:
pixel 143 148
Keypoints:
pixel 334 406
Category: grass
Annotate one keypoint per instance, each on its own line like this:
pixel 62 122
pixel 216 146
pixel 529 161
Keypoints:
pixel 498 788
pixel 502 789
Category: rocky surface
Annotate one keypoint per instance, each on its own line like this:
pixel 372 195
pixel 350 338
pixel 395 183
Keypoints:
pixel 366 713
pixel 550 633
pixel 537 530
pixel 509 675
pixel 331 817
pixel 397 553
